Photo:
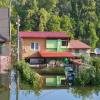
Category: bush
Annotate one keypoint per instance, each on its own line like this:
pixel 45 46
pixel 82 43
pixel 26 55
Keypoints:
pixel 96 64
pixel 28 75
pixel 89 75
pixel 86 76
pixel 51 71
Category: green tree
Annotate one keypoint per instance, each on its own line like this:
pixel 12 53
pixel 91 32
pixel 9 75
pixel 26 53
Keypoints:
pixel 67 25
pixel 44 16
pixel 93 36
pixel 84 12
pixel 53 23
pixel 63 7
pixel 49 5
pixel 4 3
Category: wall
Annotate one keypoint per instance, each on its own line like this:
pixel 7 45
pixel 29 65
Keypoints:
pixel 49 45
pixel 26 47
pixel 55 45
pixel 5 57
pixel 4 24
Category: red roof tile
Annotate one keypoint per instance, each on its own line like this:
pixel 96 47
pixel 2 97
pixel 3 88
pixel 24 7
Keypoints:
pixel 43 35
pixel 76 44
pixel 56 54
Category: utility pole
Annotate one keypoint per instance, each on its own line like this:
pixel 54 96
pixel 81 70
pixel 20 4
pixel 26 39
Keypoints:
pixel 18 56
pixel 18 39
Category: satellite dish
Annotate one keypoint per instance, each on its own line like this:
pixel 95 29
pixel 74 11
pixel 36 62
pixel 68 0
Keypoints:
pixel 97 51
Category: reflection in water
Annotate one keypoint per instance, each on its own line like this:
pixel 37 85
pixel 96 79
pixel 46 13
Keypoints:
pixel 25 92
pixel 13 93
pixel 4 87
pixel 86 92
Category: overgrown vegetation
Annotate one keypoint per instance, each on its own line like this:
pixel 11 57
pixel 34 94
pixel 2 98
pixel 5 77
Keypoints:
pixel 89 75
pixel 29 76
pixel 85 92
pixel 51 71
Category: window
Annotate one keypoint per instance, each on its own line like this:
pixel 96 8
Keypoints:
pixel 36 61
pixel 77 51
pixel 35 46
pixel 64 43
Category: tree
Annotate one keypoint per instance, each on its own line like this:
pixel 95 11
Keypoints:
pixel 63 7
pixel 5 3
pixel 53 23
pixel 93 35
pixel 67 25
pixel 49 5
pixel 84 12
pixel 44 16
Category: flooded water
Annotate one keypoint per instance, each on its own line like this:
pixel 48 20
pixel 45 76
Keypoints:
pixel 8 91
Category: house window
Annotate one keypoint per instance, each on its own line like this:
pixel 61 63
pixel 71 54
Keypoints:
pixel 35 46
pixel 36 61
pixel 64 43
pixel 77 51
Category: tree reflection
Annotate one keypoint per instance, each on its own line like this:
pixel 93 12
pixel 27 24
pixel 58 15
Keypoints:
pixel 85 92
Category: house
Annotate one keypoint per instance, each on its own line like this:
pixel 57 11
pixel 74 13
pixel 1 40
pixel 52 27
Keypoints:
pixel 48 48
pixel 78 48
pixel 95 52
pixel 4 40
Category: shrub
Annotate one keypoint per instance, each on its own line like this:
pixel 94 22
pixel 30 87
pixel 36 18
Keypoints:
pixel 89 75
pixel 28 75
pixel 96 64
pixel 51 71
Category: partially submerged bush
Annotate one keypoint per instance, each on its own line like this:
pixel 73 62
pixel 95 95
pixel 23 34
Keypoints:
pixel 28 75
pixel 86 76
pixel 51 71
pixel 89 75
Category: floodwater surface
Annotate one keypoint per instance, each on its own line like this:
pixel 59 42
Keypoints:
pixel 8 91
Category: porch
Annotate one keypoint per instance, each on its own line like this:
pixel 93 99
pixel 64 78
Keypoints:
pixel 50 59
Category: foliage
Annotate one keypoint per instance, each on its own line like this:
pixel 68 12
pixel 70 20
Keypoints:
pixel 29 76
pixel 44 16
pixel 78 18
pixel 51 71
pixel 89 75
pixel 84 12
pixel 96 64
pixel 67 25
pixel 85 92
pixel 86 76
